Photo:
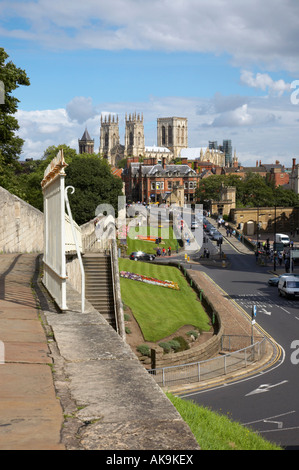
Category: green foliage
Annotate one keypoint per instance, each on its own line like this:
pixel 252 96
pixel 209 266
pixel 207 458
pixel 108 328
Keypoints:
pixel 94 185
pixel 10 144
pixel 252 191
pixel 193 333
pixel 144 350
pixel 214 431
pixel 165 346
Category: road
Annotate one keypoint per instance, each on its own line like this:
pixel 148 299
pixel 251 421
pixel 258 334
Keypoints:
pixel 268 402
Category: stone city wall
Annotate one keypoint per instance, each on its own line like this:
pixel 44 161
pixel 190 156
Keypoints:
pixel 21 225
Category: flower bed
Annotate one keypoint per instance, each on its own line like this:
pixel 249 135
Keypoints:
pixel 149 280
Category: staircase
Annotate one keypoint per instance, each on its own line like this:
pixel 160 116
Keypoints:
pixel 99 284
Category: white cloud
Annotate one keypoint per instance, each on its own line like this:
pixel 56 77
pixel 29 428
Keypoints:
pixel 81 109
pixel 263 81
pixel 251 32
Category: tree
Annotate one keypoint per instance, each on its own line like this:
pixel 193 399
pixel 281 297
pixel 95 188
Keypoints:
pixel 31 177
pixel 94 185
pixel 12 77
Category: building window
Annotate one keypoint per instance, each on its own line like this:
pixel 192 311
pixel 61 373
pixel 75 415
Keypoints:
pixel 169 184
pixel 186 185
pixel 131 138
pixel 159 185
pixel 163 136
pixel 169 135
pixel 153 186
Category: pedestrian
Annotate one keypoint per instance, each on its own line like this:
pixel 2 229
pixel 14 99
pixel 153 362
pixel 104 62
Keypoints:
pixel 169 251
pixel 208 253
pixel 164 252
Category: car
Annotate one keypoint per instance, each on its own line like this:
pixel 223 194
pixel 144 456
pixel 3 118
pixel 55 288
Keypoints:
pixel 194 225
pixel 216 236
pixel 274 281
pixel 141 256
pixel 211 231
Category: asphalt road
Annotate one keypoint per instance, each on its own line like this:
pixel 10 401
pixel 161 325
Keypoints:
pixel 267 402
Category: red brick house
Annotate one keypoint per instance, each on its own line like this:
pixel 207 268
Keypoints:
pixel 150 181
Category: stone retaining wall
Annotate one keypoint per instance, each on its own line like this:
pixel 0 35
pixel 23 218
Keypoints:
pixel 21 225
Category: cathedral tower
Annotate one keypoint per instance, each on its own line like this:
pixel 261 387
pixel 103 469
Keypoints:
pixel 109 137
pixel 134 136
pixel 172 133
pixel 86 144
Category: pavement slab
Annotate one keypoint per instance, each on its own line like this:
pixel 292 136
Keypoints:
pixel 30 414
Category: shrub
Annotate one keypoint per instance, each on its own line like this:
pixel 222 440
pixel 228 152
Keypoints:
pixel 127 330
pixel 166 347
pixel 175 345
pixel 183 343
pixel 193 333
pixel 127 317
pixel 144 350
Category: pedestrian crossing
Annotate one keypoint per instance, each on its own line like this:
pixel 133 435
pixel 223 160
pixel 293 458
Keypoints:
pixel 262 300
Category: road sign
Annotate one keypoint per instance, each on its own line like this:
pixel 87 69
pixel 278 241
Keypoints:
pixel 254 311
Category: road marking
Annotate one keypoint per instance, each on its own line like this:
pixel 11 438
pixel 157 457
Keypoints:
pixel 270 420
pixel 285 310
pixel 265 388
pixel 265 312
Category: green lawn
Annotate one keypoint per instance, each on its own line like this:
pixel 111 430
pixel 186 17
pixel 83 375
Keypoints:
pixel 160 311
pixel 166 234
pixel 218 432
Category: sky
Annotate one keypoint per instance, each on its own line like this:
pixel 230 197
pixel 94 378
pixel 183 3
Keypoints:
pixel 230 67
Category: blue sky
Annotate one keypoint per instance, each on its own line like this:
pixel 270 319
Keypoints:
pixel 225 65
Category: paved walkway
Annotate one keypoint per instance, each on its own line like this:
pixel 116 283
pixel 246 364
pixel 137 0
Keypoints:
pixel 107 400
pixel 30 414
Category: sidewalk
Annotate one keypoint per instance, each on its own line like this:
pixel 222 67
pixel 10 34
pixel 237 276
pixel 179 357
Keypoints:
pixel 30 414
pixel 97 395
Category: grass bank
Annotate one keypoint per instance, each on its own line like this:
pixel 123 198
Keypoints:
pixel 160 311
pixel 217 432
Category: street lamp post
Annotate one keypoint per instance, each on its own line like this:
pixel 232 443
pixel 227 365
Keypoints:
pixel 274 243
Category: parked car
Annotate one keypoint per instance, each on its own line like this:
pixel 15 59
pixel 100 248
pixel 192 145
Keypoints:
pixel 211 231
pixel 273 281
pixel 216 236
pixel 141 256
pixel 194 225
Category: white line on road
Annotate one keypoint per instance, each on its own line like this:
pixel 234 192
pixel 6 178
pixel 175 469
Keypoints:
pixel 265 388
pixel 285 310
pixel 265 420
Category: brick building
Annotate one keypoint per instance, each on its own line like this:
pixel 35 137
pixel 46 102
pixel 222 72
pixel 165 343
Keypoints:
pixel 151 181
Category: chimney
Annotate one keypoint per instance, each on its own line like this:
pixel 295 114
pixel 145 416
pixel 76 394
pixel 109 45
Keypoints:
pixel 257 163
pixel 164 162
pixel 294 163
